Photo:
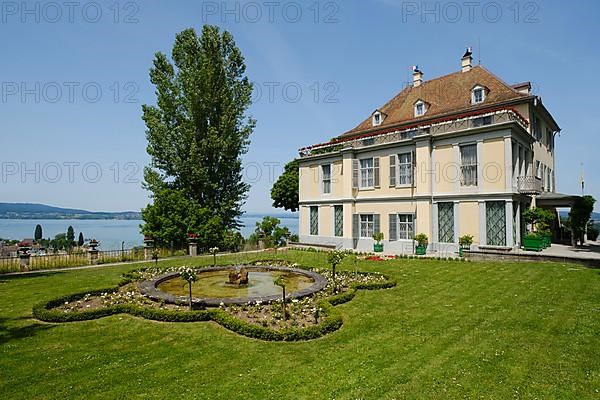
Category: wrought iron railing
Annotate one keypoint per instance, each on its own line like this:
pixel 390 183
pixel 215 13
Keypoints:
pixel 434 129
pixel 529 185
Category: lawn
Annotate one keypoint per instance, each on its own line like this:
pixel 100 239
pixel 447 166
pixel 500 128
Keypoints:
pixel 447 330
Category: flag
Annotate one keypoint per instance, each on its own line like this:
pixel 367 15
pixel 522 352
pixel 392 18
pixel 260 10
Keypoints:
pixel 582 179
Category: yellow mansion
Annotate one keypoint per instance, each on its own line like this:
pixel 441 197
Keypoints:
pixel 460 154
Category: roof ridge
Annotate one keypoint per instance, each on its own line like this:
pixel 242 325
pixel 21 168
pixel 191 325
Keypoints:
pixel 502 81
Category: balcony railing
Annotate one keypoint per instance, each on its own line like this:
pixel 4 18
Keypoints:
pixel 439 128
pixel 529 185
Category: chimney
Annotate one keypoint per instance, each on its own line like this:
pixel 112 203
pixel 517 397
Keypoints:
pixel 467 60
pixel 417 76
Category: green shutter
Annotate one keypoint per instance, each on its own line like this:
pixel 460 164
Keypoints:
pixel 355 226
pixel 393 227
pixel 376 223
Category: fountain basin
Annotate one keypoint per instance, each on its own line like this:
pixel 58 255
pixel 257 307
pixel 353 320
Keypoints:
pixel 212 289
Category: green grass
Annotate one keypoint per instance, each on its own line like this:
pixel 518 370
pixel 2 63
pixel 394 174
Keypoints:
pixel 448 330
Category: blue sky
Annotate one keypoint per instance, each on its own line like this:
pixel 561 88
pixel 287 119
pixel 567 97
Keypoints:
pixel 65 143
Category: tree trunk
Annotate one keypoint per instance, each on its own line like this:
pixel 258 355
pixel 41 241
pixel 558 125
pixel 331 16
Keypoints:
pixel 284 307
pixel 190 296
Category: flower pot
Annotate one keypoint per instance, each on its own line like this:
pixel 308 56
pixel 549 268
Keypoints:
pixel 378 247
pixel 421 250
pixel 534 243
pixel 547 240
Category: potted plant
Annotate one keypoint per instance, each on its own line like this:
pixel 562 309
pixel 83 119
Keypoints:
pixel 540 221
pixel 465 243
pixel 422 242
pixel 534 242
pixel 378 246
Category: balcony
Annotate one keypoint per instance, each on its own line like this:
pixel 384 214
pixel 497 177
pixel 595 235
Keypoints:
pixel 529 185
pixel 440 127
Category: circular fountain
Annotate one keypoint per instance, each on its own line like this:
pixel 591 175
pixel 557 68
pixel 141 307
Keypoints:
pixel 234 285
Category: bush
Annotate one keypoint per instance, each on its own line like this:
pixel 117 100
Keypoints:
pixel 465 241
pixel 422 239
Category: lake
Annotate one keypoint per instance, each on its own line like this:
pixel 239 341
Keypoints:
pixel 110 233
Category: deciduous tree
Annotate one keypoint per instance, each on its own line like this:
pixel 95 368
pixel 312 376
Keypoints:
pixel 197 132
pixel 285 191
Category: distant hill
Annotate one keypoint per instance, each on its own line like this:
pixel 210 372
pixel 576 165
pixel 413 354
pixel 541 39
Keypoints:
pixel 595 215
pixel 42 211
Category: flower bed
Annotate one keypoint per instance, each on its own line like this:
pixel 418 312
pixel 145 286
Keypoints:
pixel 304 319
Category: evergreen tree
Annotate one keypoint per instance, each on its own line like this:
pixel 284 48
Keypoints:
pixel 80 241
pixel 285 191
pixel 70 234
pixel 196 134
pixel 38 233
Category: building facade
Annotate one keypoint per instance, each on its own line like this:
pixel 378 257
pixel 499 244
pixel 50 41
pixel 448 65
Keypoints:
pixel 462 154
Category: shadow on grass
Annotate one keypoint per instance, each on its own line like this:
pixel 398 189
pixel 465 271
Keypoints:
pixel 7 278
pixel 9 332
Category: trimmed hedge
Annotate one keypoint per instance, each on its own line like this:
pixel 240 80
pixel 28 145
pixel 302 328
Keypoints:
pixel 333 320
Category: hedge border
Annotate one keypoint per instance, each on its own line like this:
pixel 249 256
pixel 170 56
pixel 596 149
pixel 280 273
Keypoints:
pixel 333 321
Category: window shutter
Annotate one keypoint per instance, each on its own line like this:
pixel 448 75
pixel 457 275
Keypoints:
pixel 393 227
pixel 413 172
pixel 376 171
pixel 393 170
pixel 320 178
pixel 376 223
pixel 354 174
pixel 355 226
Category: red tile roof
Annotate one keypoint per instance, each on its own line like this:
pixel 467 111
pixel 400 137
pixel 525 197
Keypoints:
pixel 445 95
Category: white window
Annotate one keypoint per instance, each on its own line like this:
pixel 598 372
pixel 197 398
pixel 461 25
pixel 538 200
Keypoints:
pixel 377 119
pixel 405 176
pixel 405 227
pixel 549 139
pixel 420 108
pixel 326 174
pixel 367 173
pixel 468 165
pixel 367 225
pixel 478 95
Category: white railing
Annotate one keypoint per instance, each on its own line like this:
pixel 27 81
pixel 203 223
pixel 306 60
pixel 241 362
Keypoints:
pixel 529 185
pixel 439 128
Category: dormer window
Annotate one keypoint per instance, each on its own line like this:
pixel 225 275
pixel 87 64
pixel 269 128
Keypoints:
pixel 478 95
pixel 420 108
pixel 377 118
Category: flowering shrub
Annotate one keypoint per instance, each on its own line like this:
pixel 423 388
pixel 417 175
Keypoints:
pixel 188 274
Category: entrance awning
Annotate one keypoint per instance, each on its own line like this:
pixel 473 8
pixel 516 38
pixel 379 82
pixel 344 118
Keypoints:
pixel 551 200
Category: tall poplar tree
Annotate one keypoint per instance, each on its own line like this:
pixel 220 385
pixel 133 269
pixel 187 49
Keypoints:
pixel 197 132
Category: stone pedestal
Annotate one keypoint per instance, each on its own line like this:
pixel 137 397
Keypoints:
pixel 193 249
pixel 148 249
pixel 24 262
pixel 93 256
